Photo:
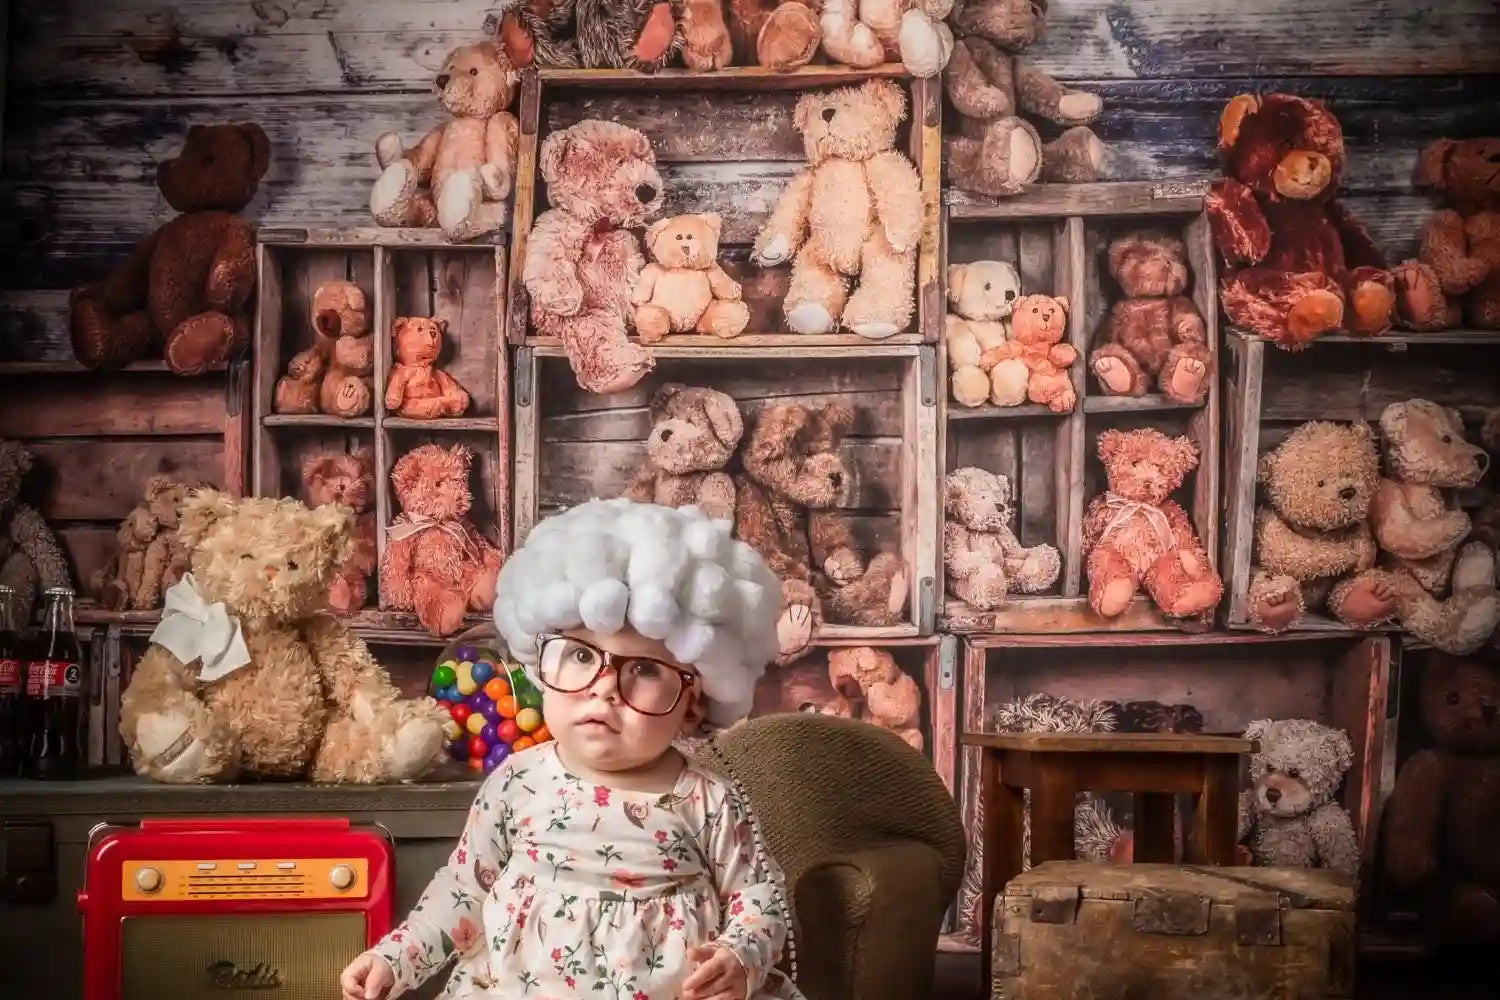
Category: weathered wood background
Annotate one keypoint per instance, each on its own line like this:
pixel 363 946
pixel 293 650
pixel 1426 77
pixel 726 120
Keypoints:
pixel 98 92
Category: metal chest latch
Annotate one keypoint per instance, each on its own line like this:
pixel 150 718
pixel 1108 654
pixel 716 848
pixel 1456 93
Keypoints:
pixel 28 869
pixel 1054 904
pixel 1257 919
pixel 1166 912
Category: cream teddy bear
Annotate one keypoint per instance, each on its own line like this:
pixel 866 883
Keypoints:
pixel 981 554
pixel 980 298
pixel 684 290
pixel 1289 817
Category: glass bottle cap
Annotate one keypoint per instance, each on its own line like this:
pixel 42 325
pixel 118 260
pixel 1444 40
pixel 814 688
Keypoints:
pixel 7 589
pixel 58 592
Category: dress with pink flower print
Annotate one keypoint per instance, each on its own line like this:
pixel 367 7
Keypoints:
pixel 560 888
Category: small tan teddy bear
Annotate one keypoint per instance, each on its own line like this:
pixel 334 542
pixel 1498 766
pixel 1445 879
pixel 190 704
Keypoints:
pixel 333 375
pixel 1038 324
pixel 1289 816
pixel 981 296
pixel 981 554
pixel 881 692
pixel 149 557
pixel 684 290
pixel 693 435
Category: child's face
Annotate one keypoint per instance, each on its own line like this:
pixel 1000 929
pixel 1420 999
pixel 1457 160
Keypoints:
pixel 596 726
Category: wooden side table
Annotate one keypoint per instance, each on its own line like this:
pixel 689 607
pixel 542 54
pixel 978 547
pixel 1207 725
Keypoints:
pixel 1054 767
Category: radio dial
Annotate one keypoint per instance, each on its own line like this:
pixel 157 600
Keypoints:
pixel 148 879
pixel 341 876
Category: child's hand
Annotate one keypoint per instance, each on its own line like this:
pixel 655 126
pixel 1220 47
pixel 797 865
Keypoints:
pixel 719 975
pixel 368 977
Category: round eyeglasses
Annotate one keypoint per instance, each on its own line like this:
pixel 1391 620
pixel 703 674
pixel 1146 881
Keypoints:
pixel 649 686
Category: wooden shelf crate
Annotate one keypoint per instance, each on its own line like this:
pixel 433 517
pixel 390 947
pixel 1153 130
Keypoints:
pixel 406 273
pixel 724 143
pixel 1057 237
pixel 1213 684
pixel 1269 392
pixel 573 446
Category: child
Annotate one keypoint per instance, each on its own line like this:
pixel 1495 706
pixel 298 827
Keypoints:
pixel 606 863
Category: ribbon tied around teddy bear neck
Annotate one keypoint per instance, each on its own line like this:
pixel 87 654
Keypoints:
pixel 1122 509
pixel 194 629
pixel 409 525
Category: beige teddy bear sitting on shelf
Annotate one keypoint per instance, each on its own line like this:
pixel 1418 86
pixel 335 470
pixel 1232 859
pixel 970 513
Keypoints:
pixel 981 296
pixel 981 554
pixel 683 289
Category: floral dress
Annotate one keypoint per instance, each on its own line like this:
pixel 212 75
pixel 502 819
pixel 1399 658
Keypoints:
pixel 560 888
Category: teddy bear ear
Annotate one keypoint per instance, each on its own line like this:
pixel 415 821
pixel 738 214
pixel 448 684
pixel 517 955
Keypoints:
pixel 156 486
pixel 1432 164
pixel 724 417
pixel 664 394
pixel 715 223
pixel 442 325
pixel 555 150
pixel 1257 730
pixel 1188 449
pixel 1062 303
pixel 836 417
pixel 1109 443
pixel 957 274
pixel 804 109
pixel 334 527
pixel 316 467
pixel 654 230
pixel 260 148
pixel 20 457
pixel 199 513
pixel 888 96
pixel 1343 751
pixel 365 459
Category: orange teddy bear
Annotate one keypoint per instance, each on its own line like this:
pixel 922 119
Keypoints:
pixel 417 388
pixel 1038 324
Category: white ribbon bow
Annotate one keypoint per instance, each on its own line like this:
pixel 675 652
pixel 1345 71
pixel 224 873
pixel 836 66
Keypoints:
pixel 193 629
pixel 408 525
pixel 1122 510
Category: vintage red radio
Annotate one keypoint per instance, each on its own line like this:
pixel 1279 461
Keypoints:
pixel 187 909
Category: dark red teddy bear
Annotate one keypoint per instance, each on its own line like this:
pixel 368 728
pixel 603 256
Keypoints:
pixel 1298 264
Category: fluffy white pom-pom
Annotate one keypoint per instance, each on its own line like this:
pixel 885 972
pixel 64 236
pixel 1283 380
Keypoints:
pixel 653 610
pixel 602 606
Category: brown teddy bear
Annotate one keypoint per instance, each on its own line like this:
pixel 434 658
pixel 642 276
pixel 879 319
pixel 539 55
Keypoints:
pixel 1038 324
pixel 1440 821
pixel 246 676
pixel 333 375
pixel 417 388
pixel 995 151
pixel 785 508
pixel 436 562
pixel 981 554
pixel 694 433
pixel 880 692
pixel 1298 264
pixel 149 555
pixel 706 45
pixel 348 479
pixel 782 35
pixel 801 687
pixel 30 559
pixel 684 290
pixel 981 297
pixel 854 212
pixel 582 260
pixel 1135 536
pixel 1288 817
pixel 865 34
pixel 459 176
pixel 641 35
pixel 186 289
pixel 1155 335
pixel 1456 276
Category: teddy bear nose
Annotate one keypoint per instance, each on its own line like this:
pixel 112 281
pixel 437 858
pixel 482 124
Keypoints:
pixel 1273 795
pixel 645 193
pixel 837 479
pixel 1347 493
pixel 270 572
pixel 665 436
pixel 442 80
pixel 828 114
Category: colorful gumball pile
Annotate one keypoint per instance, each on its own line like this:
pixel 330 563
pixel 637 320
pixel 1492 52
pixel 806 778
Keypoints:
pixel 496 710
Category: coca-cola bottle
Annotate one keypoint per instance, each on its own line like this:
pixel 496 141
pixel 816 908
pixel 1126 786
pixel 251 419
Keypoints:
pixel 12 688
pixel 57 696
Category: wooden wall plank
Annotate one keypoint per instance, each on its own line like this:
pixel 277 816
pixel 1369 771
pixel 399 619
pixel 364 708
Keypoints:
pixel 102 480
pixel 142 403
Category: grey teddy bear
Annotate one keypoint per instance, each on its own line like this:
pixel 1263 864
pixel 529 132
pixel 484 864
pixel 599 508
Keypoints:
pixel 29 553
pixel 1288 816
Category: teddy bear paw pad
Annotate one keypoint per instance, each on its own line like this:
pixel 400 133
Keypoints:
pixel 392 189
pixel 896 598
pixel 1113 375
pixel 809 318
pixel 1079 107
pixel 1316 312
pixel 794 628
pixel 875 330
pixel 1368 602
pixel 1115 597
pixel 1373 305
pixel 165 742
pixel 1186 379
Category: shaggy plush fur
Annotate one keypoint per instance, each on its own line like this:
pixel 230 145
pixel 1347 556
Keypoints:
pixel 185 291
pixel 459 176
pixel 981 298
pixel 1134 536
pixel 582 260
pixel 417 388
pixel 1038 324
pixel 641 35
pixel 868 33
pixel 30 559
pixel 1288 816
pixel 436 562
pixel 149 555
pixel 1297 263
pixel 694 433
pixel 333 375
pixel 878 690
pixel 683 289
pixel 348 479
pixel 983 558
pixel 997 152
pixel 1154 338
pixel 854 212
pixel 311 702
pixel 801 687
pixel 671 574
pixel 1456 276
pixel 1440 821
pixel 705 36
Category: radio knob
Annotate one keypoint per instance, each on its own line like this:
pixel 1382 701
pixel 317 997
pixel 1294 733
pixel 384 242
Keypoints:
pixel 342 877
pixel 148 880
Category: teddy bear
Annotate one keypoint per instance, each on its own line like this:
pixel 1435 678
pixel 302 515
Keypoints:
pixel 247 676
pixel 981 297
pixel 1297 262
pixel 436 562
pixel 149 555
pixel 1135 536
pixel 641 35
pixel 333 376
pixel 694 433
pixel 786 509
pixel 417 388
pixel 582 260
pixel 1038 324
pixel 866 34
pixel 31 561
pixel 983 558
pixel 706 45
pixel 880 692
pixel 458 177
pixel 1456 276
pixel 854 212
pixel 184 293
pixel 781 35
pixel 801 687
pixel 348 479
pixel 1155 335
pixel 683 289
pixel 1288 817
pixel 1438 840
pixel 994 151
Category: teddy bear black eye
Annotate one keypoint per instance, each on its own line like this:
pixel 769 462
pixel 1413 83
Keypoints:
pixel 1321 483
pixel 474 71
pixel 291 564
pixel 986 286
pixel 1292 772
pixel 1447 439
pixel 1453 698
pixel 246 555
pixel 679 236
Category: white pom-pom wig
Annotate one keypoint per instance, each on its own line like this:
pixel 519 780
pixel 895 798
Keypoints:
pixel 672 574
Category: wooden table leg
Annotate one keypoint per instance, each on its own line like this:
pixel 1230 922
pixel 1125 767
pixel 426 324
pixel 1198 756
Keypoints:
pixel 1003 812
pixel 1155 817
pixel 1216 820
pixel 1052 803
